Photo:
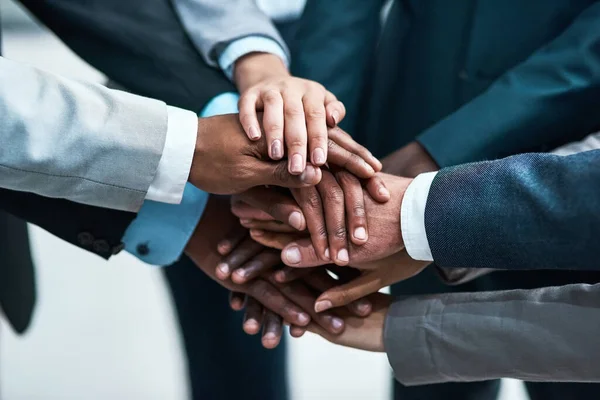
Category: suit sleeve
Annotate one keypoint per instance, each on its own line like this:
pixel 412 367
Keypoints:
pixel 530 211
pixel 531 104
pixel 213 25
pixel 95 229
pixel 543 335
pixel 79 141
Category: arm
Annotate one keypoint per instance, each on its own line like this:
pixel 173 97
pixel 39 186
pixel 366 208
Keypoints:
pixel 534 335
pixel 528 211
pixel 214 25
pixel 531 105
pixel 82 142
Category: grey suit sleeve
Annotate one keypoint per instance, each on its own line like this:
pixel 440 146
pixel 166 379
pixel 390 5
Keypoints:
pixel 547 334
pixel 213 24
pixel 82 142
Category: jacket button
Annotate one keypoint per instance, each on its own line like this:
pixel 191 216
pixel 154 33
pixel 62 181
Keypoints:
pixel 85 239
pixel 117 249
pixel 143 249
pixel 101 247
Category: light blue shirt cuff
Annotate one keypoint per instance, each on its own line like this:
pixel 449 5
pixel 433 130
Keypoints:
pixel 247 45
pixel 160 232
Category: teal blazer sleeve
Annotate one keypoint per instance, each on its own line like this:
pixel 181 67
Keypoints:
pixel 552 94
pixel 530 211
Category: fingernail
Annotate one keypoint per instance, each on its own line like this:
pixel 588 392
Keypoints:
pixel 327 254
pixel 337 323
pixel 276 151
pixel 370 169
pixel 296 164
pixel 319 156
pixel 296 220
pixel 280 276
pixel 363 306
pixel 224 268
pixel 323 305
pixel 292 255
pixel 335 116
pixel 242 273
pixel 224 246
pixel 307 174
pixel 303 318
pixel 342 256
pixel 384 192
pixel 269 336
pixel 254 133
pixel 245 221
pixel 256 232
pixel 360 233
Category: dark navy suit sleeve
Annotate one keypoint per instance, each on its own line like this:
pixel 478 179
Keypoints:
pixel 531 211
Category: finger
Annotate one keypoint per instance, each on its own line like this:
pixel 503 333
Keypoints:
pixel 344 140
pixel 236 258
pixel 276 204
pixel 301 295
pixel 231 240
pixel 339 156
pixel 253 317
pixel 272 330
pixel 271 226
pixel 335 218
pixel 237 301
pixel 297 331
pixel 335 109
pixel 295 132
pixel 277 174
pixel 316 126
pixel 273 239
pixel 273 122
pixel 262 262
pixel 273 299
pixel 377 189
pixel 354 200
pixel 312 208
pixel 343 295
pixel 323 282
pixel 244 210
pixel 287 274
pixel 300 254
pixel 247 108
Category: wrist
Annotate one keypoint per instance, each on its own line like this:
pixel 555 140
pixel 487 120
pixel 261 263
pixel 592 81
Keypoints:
pixel 257 67
pixel 410 161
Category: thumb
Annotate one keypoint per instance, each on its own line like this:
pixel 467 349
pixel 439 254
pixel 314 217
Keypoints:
pixel 277 174
pixel 347 293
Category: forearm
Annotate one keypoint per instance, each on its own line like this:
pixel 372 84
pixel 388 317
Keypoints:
pixel 83 142
pixel 545 100
pixel 213 25
pixel 520 334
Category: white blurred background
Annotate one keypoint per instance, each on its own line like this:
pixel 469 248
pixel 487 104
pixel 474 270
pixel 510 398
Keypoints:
pixel 105 330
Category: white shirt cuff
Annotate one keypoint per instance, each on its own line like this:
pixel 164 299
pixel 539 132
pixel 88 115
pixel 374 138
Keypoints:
pixel 412 217
pixel 176 161
pixel 247 45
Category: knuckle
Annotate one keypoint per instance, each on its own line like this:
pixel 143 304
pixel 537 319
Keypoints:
pixel 273 128
pixel 260 290
pixel 272 96
pixel 294 111
pixel 246 119
pixel 358 209
pixel 315 113
pixel 339 233
pixel 281 173
pixel 334 194
pixel 312 199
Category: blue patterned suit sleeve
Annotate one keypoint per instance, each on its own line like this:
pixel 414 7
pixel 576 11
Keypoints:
pixel 160 231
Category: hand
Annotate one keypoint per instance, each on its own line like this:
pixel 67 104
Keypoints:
pixel 385 234
pixel 328 211
pixel 215 223
pixel 374 277
pixel 318 280
pixel 409 161
pixel 360 333
pixel 225 162
pixel 296 111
